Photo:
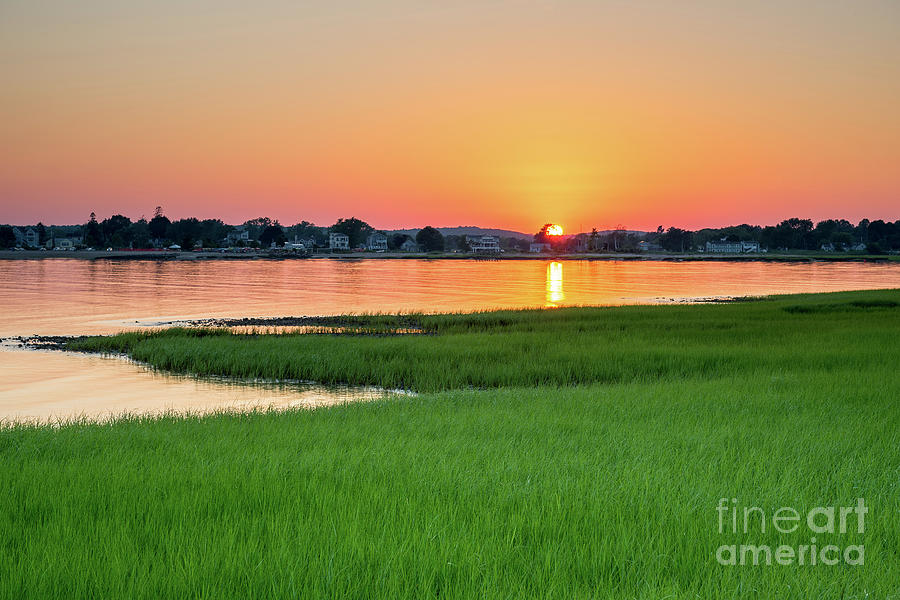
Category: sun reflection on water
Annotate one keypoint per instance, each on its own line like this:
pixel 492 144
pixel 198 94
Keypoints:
pixel 555 293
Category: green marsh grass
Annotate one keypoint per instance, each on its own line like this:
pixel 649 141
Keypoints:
pixel 580 453
pixel 570 346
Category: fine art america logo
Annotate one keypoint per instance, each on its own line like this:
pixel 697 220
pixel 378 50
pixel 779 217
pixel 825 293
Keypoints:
pixel 735 520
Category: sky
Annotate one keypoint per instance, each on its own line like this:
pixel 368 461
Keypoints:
pixel 499 113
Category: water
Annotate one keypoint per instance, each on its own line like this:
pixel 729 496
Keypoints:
pixel 43 386
pixel 72 296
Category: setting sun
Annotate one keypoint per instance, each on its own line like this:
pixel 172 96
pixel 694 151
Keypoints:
pixel 554 230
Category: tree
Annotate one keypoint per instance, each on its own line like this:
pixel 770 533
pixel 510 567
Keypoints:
pixel 140 234
pixel 212 232
pixel 7 237
pixel 308 231
pixel 159 224
pixel 542 236
pixel 594 240
pixel 188 229
pixel 354 229
pixel 256 226
pixel 92 234
pixel 794 233
pixel 272 233
pixel 117 230
pixel 42 233
pixel 679 240
pixel 862 231
pixel 430 239
pixel 396 240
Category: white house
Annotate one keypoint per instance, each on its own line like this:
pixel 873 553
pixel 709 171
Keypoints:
pixel 240 234
pixel 724 246
pixel 32 238
pixel 338 241
pixel 484 243
pixel 377 242
pixel 539 247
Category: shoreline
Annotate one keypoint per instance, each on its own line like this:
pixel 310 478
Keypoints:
pixel 281 255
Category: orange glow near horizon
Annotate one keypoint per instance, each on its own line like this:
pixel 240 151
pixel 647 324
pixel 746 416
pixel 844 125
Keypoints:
pixel 407 114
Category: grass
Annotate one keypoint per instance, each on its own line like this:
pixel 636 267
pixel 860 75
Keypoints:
pixel 580 453
pixel 572 346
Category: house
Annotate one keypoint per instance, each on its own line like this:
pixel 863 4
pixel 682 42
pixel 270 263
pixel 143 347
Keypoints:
pixel 338 241
pixel 67 243
pixel 32 239
pixel 483 243
pixel 409 245
pixel 858 247
pixel 377 242
pixel 20 237
pixel 240 234
pixel 537 247
pixel 829 247
pixel 724 246
pixel 645 246
pixel 300 243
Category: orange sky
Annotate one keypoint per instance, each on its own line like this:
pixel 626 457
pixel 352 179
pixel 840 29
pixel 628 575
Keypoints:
pixel 496 113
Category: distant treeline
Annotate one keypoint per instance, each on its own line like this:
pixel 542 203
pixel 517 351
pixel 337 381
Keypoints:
pixel 119 231
pixel 791 234
pixel 835 235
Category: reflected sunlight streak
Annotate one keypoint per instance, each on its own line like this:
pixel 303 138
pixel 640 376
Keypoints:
pixel 555 293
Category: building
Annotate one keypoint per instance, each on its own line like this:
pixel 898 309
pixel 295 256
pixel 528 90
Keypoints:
pixel 338 241
pixel 537 247
pixel 67 243
pixel 645 246
pixel 32 239
pixel 723 246
pixel 20 237
pixel 377 242
pixel 409 245
pixel 483 243
pixel 240 234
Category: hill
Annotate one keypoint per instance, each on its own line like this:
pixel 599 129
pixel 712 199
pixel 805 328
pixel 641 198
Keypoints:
pixel 469 230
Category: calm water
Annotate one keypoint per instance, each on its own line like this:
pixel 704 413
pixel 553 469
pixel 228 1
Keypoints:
pixel 62 296
pixel 44 385
pixel 71 296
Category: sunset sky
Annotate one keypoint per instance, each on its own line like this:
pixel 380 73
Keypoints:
pixel 495 113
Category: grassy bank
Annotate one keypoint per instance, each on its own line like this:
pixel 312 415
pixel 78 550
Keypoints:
pixel 589 462
pixel 572 346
